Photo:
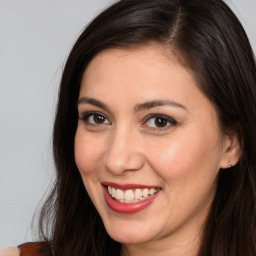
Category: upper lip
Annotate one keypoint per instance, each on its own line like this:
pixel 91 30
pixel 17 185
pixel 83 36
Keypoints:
pixel 127 186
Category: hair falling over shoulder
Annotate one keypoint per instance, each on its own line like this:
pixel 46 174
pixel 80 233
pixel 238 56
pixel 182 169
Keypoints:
pixel 208 39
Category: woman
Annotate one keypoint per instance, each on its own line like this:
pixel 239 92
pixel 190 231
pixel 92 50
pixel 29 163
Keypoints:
pixel 155 136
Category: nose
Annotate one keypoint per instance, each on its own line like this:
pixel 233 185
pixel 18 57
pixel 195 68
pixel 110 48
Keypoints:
pixel 123 152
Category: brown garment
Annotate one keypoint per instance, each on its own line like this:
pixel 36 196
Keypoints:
pixel 35 249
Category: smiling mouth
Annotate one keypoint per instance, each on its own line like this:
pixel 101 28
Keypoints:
pixel 130 196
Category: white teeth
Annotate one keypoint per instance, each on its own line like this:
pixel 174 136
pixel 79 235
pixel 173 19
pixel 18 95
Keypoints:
pixel 119 194
pixel 145 192
pixel 138 193
pixel 113 193
pixel 152 191
pixel 131 195
pixel 128 195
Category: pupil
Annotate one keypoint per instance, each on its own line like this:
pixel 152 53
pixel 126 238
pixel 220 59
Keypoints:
pixel 99 119
pixel 160 122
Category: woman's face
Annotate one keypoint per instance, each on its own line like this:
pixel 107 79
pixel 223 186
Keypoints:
pixel 147 135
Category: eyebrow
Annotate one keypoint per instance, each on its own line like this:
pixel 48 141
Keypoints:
pixel 137 108
pixel 92 101
pixel 158 103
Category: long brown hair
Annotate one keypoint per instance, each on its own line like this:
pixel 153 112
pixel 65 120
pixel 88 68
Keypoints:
pixel 208 39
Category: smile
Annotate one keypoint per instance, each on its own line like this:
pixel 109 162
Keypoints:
pixel 131 195
pixel 129 198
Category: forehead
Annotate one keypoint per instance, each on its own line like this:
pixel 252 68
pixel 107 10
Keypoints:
pixel 141 67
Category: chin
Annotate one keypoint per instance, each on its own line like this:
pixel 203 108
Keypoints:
pixel 130 238
pixel 128 234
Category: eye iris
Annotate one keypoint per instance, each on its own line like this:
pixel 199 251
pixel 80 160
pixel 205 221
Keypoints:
pixel 98 119
pixel 160 122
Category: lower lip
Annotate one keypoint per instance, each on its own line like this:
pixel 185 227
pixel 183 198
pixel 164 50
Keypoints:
pixel 127 207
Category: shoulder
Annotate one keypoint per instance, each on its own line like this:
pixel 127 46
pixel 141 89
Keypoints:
pixel 35 249
pixel 13 251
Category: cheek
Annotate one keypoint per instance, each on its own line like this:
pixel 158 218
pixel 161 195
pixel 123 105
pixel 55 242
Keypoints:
pixel 87 154
pixel 185 156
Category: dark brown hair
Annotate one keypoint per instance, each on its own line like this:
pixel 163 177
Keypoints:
pixel 208 39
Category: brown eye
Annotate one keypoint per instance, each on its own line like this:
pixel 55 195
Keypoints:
pixel 98 119
pixel 94 119
pixel 160 122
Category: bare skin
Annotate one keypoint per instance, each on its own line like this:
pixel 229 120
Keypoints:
pixel 13 251
pixel 143 120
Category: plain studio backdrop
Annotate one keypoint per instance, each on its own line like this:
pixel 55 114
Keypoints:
pixel 35 39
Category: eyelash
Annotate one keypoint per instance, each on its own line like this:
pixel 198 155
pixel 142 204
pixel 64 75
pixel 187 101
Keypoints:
pixel 84 117
pixel 169 121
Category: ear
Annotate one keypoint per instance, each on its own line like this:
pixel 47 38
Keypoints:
pixel 231 151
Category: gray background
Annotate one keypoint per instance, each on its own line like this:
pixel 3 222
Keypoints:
pixel 35 39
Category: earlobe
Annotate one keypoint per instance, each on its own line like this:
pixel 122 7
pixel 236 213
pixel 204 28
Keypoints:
pixel 231 151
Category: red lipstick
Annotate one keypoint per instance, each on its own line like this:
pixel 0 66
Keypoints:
pixel 127 207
